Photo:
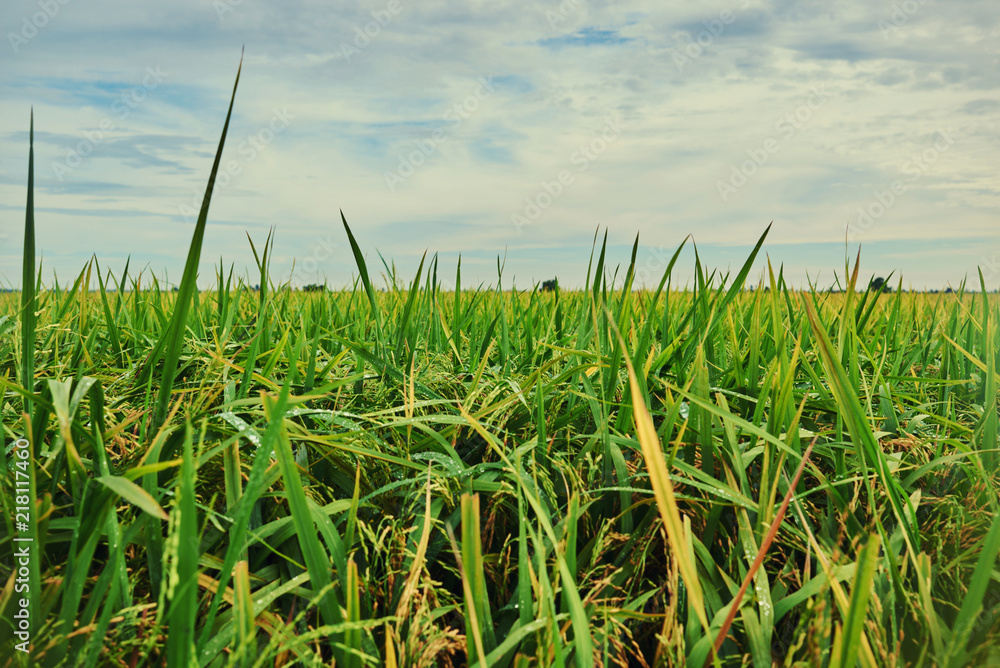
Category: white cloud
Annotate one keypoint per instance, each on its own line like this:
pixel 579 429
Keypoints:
pixel 894 81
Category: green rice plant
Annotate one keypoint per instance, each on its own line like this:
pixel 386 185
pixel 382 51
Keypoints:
pixel 182 566
pixel 846 643
pixel 666 501
pixel 173 336
pixel 28 321
pixel 28 298
pixel 956 653
pixel 272 477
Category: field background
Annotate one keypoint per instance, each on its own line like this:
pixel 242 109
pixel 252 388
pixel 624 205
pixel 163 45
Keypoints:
pixel 417 477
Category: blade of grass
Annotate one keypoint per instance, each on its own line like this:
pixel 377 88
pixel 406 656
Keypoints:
pixel 583 652
pixel 172 339
pixel 362 266
pixel 972 605
pixel 857 611
pixel 28 324
pixel 761 552
pixel 473 628
pixel 317 559
pixel 182 564
pixel 663 491
pixel 870 454
pixel 256 485
pixel 472 558
pixel 244 608
pixel 404 320
pixel 174 335
pixel 416 569
pixel 352 638
pixel 28 317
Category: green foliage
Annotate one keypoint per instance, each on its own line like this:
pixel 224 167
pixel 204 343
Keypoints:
pixel 422 477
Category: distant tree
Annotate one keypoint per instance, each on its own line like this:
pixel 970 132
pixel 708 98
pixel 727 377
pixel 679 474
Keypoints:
pixel 879 285
pixel 313 287
pixel 549 286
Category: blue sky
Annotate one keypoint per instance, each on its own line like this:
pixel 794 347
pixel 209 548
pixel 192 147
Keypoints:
pixel 505 129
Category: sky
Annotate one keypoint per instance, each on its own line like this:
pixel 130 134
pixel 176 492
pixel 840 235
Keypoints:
pixel 509 133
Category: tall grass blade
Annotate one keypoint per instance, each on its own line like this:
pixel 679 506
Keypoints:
pixel 472 562
pixel 28 317
pixel 404 320
pixel 870 454
pixel 857 612
pixel 174 335
pixel 182 565
pixel 27 372
pixel 362 266
pixel 663 491
pixel 317 559
pixel 243 606
pixel 720 636
pixel 972 604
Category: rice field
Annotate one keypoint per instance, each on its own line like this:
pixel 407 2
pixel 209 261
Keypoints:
pixel 717 474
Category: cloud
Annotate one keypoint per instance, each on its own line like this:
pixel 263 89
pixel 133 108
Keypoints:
pixel 698 89
pixel 588 37
pixel 981 107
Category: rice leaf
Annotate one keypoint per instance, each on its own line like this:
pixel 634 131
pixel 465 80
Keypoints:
pixel 173 336
pixel 972 603
pixel 857 612
pixel 134 494
pixel 182 559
